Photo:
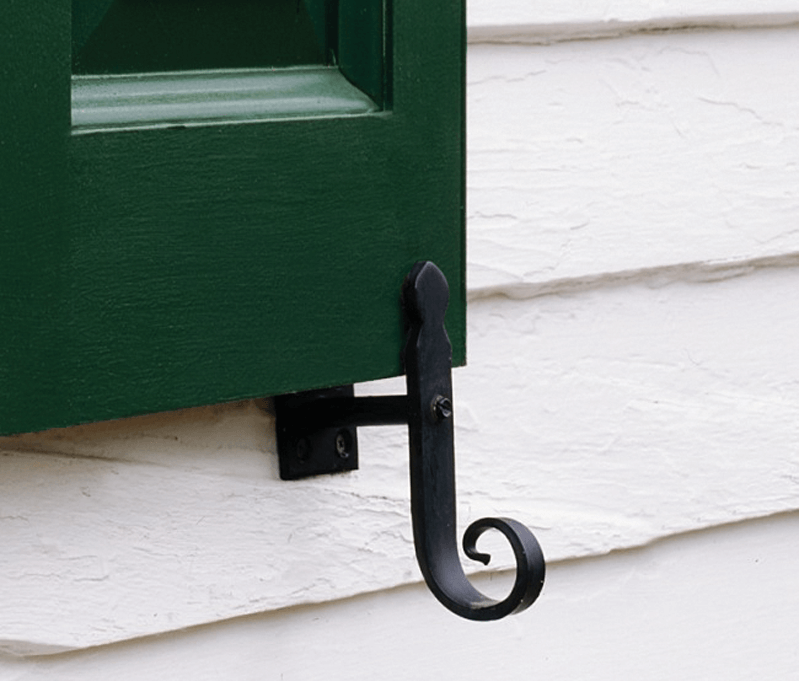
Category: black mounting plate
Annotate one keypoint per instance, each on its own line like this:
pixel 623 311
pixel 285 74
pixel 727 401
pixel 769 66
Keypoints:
pixel 304 450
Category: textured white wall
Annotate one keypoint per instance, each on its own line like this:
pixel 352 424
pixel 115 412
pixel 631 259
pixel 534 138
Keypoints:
pixel 552 20
pixel 719 605
pixel 606 157
pixel 633 381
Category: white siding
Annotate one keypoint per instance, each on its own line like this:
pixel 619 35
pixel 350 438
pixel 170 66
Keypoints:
pixel 713 605
pixel 632 395
pixel 611 156
pixel 550 20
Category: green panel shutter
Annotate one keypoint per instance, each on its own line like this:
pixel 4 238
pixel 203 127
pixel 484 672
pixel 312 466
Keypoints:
pixel 249 245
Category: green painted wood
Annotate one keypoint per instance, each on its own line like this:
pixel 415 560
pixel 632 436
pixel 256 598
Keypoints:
pixel 153 269
pixel 363 27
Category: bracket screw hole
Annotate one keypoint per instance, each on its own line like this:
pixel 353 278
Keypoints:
pixel 303 450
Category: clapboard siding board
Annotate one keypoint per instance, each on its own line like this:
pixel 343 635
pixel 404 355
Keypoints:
pixel 600 157
pixel 603 418
pixel 672 610
pixel 520 20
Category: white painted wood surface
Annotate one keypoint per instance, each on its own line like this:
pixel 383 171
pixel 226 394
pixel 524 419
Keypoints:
pixel 549 20
pixel 718 605
pixel 604 157
pixel 633 374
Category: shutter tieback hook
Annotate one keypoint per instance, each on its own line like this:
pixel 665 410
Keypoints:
pixel 316 434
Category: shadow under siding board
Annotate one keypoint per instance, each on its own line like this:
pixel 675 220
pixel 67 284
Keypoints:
pixel 554 20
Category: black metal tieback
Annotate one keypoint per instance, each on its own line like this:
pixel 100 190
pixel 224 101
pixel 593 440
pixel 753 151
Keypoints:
pixel 317 434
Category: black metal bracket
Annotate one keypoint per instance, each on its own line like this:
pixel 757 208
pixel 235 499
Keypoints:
pixel 307 448
pixel 316 434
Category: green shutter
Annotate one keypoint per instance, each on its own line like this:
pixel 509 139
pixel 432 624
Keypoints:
pixel 173 263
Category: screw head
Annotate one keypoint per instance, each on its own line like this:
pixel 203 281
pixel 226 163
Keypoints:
pixel 343 444
pixel 442 407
